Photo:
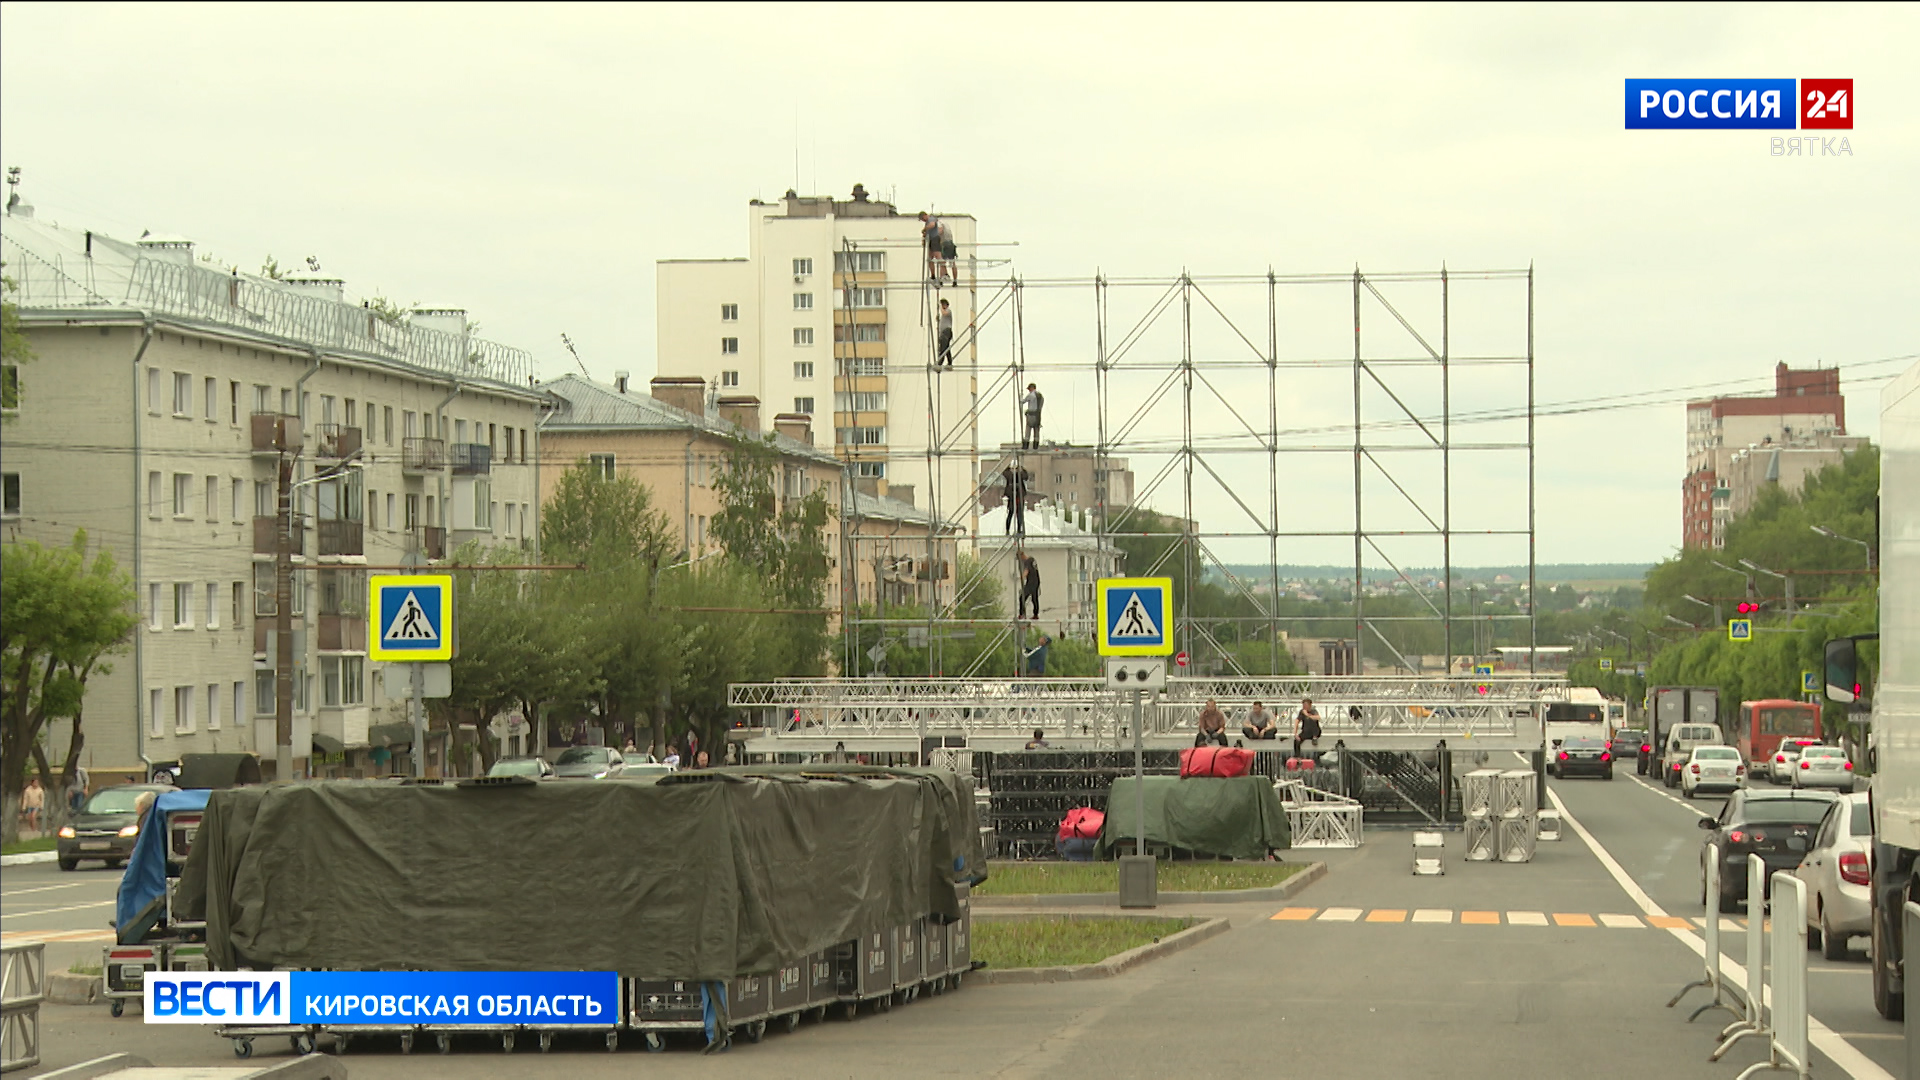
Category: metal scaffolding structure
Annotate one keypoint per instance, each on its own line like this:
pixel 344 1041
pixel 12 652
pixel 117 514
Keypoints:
pixel 1374 372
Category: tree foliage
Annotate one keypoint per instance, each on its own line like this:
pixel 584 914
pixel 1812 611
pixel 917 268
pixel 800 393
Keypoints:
pixel 15 349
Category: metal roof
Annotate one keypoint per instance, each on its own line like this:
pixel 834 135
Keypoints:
pixel 586 405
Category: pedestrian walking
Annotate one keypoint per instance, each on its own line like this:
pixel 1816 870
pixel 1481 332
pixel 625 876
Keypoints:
pixel 1037 657
pixel 1029 586
pixel 945 357
pixel 1306 727
pixel 1212 725
pixel 32 801
pixel 1030 408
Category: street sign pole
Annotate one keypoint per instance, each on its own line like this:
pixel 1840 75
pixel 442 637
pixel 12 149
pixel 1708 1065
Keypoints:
pixel 417 713
pixel 1139 778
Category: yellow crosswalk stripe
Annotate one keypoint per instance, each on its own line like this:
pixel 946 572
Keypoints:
pixel 1386 915
pixel 1572 920
pixel 1445 917
pixel 1295 914
pixel 1480 918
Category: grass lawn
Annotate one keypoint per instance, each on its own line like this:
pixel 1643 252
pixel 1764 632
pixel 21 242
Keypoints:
pixel 1018 879
pixel 44 843
pixel 1049 940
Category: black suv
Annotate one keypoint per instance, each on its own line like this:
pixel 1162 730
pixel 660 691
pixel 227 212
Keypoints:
pixel 1775 825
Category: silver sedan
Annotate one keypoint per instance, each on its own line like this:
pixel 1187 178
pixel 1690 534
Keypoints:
pixel 1823 766
pixel 1835 872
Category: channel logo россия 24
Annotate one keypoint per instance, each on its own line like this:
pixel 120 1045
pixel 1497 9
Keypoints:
pixel 1740 104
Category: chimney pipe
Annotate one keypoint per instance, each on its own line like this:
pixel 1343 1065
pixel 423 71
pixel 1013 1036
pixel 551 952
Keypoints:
pixel 620 381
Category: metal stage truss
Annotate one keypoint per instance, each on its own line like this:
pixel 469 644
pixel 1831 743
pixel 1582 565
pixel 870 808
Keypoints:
pixel 1379 420
pixel 1394 713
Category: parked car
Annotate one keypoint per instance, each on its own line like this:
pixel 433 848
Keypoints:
pixel 1775 825
pixel 649 768
pixel 1713 768
pixel 530 766
pixel 1628 743
pixel 1835 871
pixel 588 763
pixel 1823 766
pixel 106 826
pixel 1786 758
pixel 1581 755
pixel 1679 748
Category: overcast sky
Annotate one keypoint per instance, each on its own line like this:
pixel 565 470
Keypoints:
pixel 530 163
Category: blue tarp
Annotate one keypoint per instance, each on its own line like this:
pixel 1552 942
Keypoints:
pixel 146 878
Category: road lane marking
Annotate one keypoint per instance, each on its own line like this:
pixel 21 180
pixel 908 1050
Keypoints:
pixel 1340 914
pixel 56 910
pixel 1433 915
pixel 1572 920
pixel 1526 918
pixel 44 888
pixel 1622 922
pixel 1669 922
pixel 1480 918
pixel 1838 1050
pixel 58 936
pixel 1295 914
pixel 1386 915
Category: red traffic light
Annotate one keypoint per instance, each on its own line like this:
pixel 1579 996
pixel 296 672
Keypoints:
pixel 1748 607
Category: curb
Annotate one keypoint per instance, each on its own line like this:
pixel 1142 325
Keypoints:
pixel 69 988
pixel 1105 969
pixel 29 857
pixel 1283 891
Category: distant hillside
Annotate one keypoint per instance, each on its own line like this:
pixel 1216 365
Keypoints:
pixel 1546 573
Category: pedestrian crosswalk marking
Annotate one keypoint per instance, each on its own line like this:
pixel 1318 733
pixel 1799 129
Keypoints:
pixel 1572 920
pixel 1526 918
pixel 1480 918
pixel 1448 917
pixel 1386 915
pixel 1669 922
pixel 1340 914
pixel 1622 922
pixel 1433 915
pixel 1296 914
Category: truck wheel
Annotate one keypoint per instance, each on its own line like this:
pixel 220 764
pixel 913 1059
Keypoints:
pixel 1887 1003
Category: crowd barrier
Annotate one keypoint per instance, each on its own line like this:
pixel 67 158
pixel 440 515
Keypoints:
pixel 23 986
pixel 1775 998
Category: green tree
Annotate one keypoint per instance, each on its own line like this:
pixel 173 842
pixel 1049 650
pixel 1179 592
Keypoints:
pixel 61 616
pixel 15 349
pixel 779 535
pixel 604 522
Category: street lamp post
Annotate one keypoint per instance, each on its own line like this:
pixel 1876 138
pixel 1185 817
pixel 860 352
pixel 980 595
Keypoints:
pixel 1682 622
pixel 1772 573
pixel 1831 535
pixel 1715 608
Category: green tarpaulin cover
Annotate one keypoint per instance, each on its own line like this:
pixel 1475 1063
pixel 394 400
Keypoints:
pixel 703 875
pixel 1240 817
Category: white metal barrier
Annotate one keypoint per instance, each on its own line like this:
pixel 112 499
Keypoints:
pixel 1320 819
pixel 1429 853
pixel 1910 912
pixel 1711 979
pixel 1787 1009
pixel 23 986
pixel 1753 1020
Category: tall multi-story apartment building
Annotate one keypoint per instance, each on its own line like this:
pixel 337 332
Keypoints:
pixel 832 315
pixel 165 395
pixel 1806 419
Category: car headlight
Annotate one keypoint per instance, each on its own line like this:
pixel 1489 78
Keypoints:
pixel 131 830
pixel 66 832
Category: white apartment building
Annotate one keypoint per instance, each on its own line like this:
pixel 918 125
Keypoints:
pixel 830 315
pixel 164 393
pixel 1071 558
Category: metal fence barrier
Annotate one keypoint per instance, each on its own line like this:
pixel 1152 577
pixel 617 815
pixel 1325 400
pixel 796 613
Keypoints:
pixel 1911 913
pixel 1320 819
pixel 23 986
pixel 1711 979
pixel 1787 1008
pixel 1753 1022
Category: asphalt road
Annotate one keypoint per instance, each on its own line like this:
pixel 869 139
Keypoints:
pixel 1550 968
pixel 72 911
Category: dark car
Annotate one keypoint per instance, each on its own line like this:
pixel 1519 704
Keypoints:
pixel 1776 825
pixel 1582 755
pixel 1629 742
pixel 106 827
pixel 529 766
pixel 588 763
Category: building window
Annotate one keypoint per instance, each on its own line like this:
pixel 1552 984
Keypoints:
pixel 213 706
pixel 153 605
pixel 353 680
pixel 264 692
pixel 155 719
pixel 213 605
pixel 265 602
pixel 803 335
pixel 386 422
pixel 860 262
pixel 729 346
pixel 306 405
pixel 182 394
pixel 239 705
pixel 182 606
pixel 410 424
pixel 867 469
pixel 600 466
pixel 213 398
pixel 860 332
pixel 263 501
pixel 389 517
pixel 182 492
pixel 9 387
pixel 729 312
pixel 239 609
pixel 509 445
pixel 239 498
pixel 863 401
pixel 351 406
pixel 413 512
pixel 803 405
pixel 10 486
pixel 330 682
pixel 326 408
pixel 482 509
pixel 262 398
pixel 523 444
pixel 803 369
pixel 803 301
pixel 459 431
pixel 802 267
pixel 153 391
pixel 862 365
pixel 213 498
pixel 183 710
pixel 729 378
pixel 860 436
pixel 861 298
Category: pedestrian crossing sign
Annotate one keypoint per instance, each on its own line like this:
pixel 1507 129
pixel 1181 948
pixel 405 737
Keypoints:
pixel 1133 616
pixel 1739 629
pixel 412 617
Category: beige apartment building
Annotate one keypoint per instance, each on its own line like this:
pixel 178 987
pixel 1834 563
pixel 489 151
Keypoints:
pixel 164 395
pixel 1071 557
pixel 831 315
pixel 1068 476
pixel 1799 430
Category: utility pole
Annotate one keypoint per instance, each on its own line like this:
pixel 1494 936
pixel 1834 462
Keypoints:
pixel 283 614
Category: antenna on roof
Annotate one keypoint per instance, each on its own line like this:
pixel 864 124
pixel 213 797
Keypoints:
pixel 568 342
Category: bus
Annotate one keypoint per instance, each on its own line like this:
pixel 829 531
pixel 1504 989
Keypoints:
pixel 1584 713
pixel 1762 724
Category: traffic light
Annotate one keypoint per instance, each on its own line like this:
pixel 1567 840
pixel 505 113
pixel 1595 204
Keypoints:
pixel 1749 607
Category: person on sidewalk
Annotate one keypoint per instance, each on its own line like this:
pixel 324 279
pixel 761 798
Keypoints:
pixel 1260 724
pixel 1212 726
pixel 1030 405
pixel 944 359
pixel 1029 586
pixel 32 801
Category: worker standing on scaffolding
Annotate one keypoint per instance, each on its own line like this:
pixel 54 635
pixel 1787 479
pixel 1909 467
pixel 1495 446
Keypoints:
pixel 1015 479
pixel 949 255
pixel 1029 587
pixel 945 356
pixel 930 234
pixel 1030 407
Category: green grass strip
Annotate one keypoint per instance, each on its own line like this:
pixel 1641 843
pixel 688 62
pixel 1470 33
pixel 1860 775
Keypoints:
pixel 1052 878
pixel 1052 940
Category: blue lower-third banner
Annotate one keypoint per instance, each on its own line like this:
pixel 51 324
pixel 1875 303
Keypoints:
pixel 347 998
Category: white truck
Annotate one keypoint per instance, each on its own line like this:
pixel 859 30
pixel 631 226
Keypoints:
pixel 1896 697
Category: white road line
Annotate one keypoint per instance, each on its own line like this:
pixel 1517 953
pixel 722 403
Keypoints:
pixel 1526 918
pixel 54 910
pixel 1433 915
pixel 1622 922
pixel 44 888
pixel 1340 914
pixel 1856 1064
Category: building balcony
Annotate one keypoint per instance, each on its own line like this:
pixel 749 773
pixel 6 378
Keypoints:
pixel 266 538
pixel 470 459
pixel 337 441
pixel 275 433
pixel 343 633
pixel 341 538
pixel 430 540
pixel 419 455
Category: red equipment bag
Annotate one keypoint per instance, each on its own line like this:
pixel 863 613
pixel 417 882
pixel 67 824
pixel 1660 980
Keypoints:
pixel 1083 822
pixel 1218 761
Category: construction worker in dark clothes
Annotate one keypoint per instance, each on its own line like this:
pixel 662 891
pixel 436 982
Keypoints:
pixel 930 234
pixel 945 356
pixel 1029 586
pixel 1030 404
pixel 1015 490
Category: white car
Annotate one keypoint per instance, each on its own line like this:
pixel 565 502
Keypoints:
pixel 1824 766
pixel 1835 872
pixel 1785 759
pixel 1712 768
